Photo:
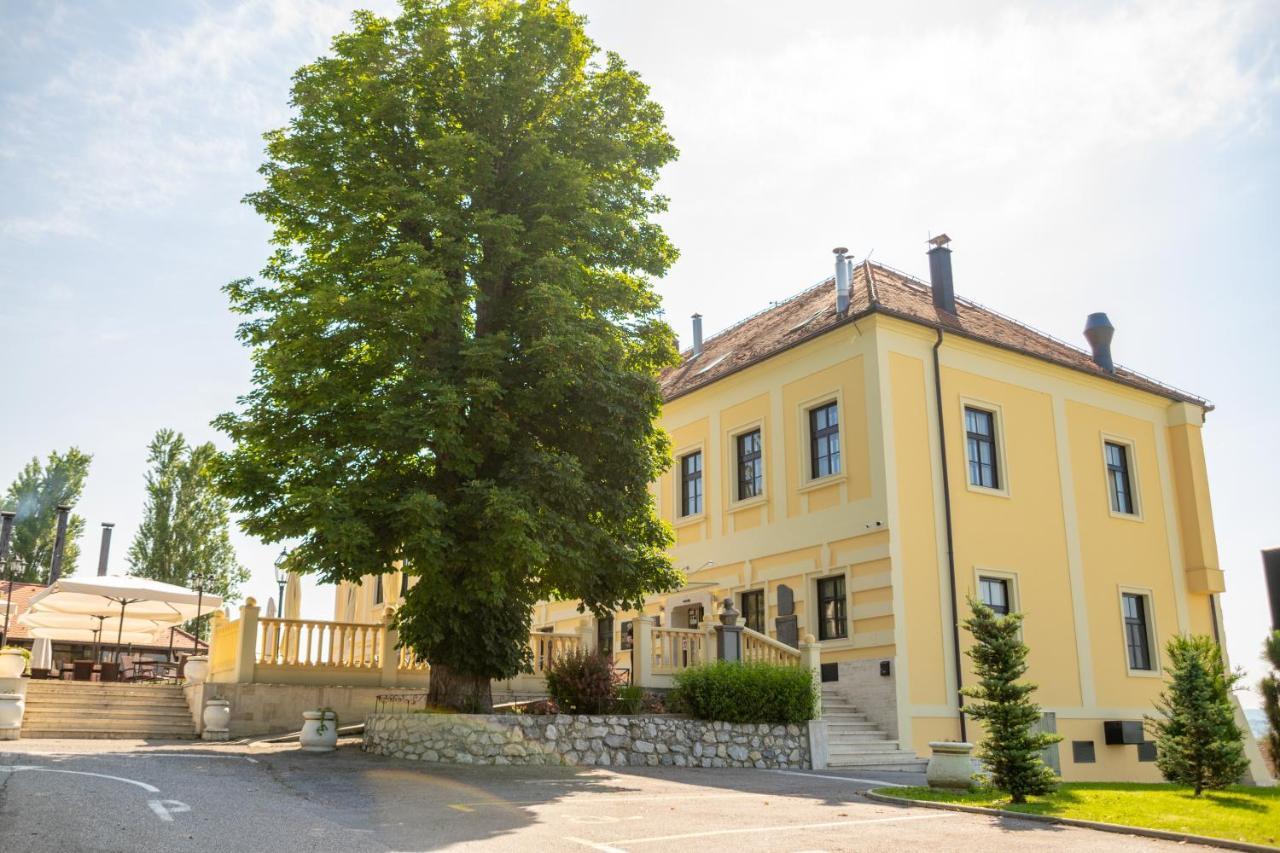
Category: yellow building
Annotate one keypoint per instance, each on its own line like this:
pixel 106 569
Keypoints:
pixel 856 461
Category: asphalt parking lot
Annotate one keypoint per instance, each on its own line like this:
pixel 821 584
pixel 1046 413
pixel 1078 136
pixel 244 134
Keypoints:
pixel 131 796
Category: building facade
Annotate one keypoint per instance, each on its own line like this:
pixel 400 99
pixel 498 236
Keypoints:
pixel 859 460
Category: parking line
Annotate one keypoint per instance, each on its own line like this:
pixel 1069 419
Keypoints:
pixel 150 789
pixel 619 845
pixel 630 797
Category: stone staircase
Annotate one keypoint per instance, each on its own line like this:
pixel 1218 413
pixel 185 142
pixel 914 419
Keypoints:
pixel 79 709
pixel 855 741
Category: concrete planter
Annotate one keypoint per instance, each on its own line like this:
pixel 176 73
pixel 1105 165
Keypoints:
pixel 950 765
pixel 12 663
pixel 196 669
pixel 217 719
pixel 11 708
pixel 319 731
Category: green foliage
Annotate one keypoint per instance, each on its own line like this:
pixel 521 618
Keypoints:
pixel 746 693
pixel 1269 687
pixel 1011 748
pixel 35 496
pixel 456 341
pixel 184 533
pixel 1198 741
pixel 630 699
pixel 583 682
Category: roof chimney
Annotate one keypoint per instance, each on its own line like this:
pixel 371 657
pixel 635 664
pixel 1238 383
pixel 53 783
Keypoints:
pixel 944 291
pixel 59 543
pixel 697 335
pixel 106 548
pixel 1098 331
pixel 844 275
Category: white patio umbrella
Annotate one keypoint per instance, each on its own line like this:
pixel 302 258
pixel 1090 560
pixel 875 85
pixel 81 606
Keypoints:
pixel 41 653
pixel 76 627
pixel 86 635
pixel 111 595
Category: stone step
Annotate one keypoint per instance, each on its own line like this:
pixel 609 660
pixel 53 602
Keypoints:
pixel 43 712
pixel 847 720
pixel 868 746
pixel 103 702
pixel 122 726
pixel 861 737
pixel 69 688
pixel 907 761
pixel 123 734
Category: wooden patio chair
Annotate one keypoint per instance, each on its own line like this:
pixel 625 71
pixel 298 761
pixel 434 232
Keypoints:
pixel 108 671
pixel 82 670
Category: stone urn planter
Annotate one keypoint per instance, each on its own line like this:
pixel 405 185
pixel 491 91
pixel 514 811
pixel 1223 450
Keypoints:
pixel 950 765
pixel 196 669
pixel 13 662
pixel 217 719
pixel 319 730
pixel 11 706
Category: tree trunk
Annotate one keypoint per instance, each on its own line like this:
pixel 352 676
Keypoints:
pixel 461 691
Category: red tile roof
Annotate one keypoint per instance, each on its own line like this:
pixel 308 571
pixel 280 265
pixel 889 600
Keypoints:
pixel 880 289
pixel 20 602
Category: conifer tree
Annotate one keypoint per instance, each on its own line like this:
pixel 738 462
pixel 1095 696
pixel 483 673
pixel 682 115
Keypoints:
pixel 1197 737
pixel 35 495
pixel 1270 689
pixel 1011 748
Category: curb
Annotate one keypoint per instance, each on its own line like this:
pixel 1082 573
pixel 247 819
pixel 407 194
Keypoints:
pixel 1162 834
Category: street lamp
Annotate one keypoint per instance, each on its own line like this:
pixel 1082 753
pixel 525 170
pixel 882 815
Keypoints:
pixel 282 577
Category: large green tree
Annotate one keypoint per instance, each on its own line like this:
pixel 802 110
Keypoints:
pixel 36 494
pixel 184 536
pixel 456 341
pixel 1269 687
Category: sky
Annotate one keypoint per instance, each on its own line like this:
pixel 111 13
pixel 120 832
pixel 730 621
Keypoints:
pixel 1117 157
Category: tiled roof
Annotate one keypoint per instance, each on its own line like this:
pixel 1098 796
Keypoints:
pixel 880 289
pixel 20 602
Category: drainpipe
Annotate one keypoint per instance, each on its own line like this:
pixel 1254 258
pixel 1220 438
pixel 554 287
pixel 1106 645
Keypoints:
pixel 951 557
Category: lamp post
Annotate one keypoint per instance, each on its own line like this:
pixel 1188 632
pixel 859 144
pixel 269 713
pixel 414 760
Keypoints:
pixel 6 530
pixel 282 578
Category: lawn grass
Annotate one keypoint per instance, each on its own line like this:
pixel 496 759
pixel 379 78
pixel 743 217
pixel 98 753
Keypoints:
pixel 1237 813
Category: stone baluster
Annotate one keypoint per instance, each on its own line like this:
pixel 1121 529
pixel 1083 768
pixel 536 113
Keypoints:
pixel 390 656
pixel 246 643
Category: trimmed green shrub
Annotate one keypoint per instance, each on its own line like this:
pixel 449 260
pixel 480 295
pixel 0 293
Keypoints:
pixel 583 683
pixel 746 693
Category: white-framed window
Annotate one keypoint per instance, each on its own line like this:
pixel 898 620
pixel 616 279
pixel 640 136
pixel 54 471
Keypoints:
pixel 833 608
pixel 986 467
pixel 824 440
pixel 1138 631
pixel 997 589
pixel 745 449
pixel 1120 466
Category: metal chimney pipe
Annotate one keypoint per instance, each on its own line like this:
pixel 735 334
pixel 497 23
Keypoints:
pixel 697 335
pixel 1098 331
pixel 844 275
pixel 59 543
pixel 106 547
pixel 6 530
pixel 940 278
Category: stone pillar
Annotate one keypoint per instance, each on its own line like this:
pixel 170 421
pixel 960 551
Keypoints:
pixel 587 635
pixel 389 655
pixel 247 642
pixel 642 651
pixel 729 633
pixel 811 659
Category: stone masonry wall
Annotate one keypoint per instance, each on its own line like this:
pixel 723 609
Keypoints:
pixel 582 741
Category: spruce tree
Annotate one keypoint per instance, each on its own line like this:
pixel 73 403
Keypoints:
pixel 1197 737
pixel 1011 748
pixel 1270 689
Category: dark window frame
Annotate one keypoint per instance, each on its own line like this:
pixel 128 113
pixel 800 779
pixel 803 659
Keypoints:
pixel 985 474
pixel 824 440
pixel 1119 478
pixel 691 485
pixel 604 635
pixel 751 612
pixel 831 592
pixel 379 594
pixel 750 464
pixel 404 583
pixel 1005 584
pixel 1137 631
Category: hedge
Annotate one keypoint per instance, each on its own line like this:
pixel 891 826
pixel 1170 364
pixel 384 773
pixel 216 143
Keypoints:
pixel 746 693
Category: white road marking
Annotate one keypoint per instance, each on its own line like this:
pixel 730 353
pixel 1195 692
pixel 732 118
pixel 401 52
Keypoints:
pixel 165 809
pixel 110 755
pixel 621 792
pixel 150 789
pixel 654 839
pixel 840 778
pixel 603 848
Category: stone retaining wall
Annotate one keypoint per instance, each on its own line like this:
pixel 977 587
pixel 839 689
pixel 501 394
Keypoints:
pixel 582 741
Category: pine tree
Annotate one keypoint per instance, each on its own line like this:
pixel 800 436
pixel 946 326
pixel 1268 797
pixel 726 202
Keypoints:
pixel 1197 739
pixel 1270 689
pixel 35 496
pixel 1011 749
pixel 184 530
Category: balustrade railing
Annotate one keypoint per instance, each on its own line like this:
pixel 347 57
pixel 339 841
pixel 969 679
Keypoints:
pixel 315 643
pixel 548 648
pixel 759 648
pixel 674 649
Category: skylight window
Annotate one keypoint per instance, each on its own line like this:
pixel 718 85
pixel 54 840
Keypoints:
pixel 713 363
